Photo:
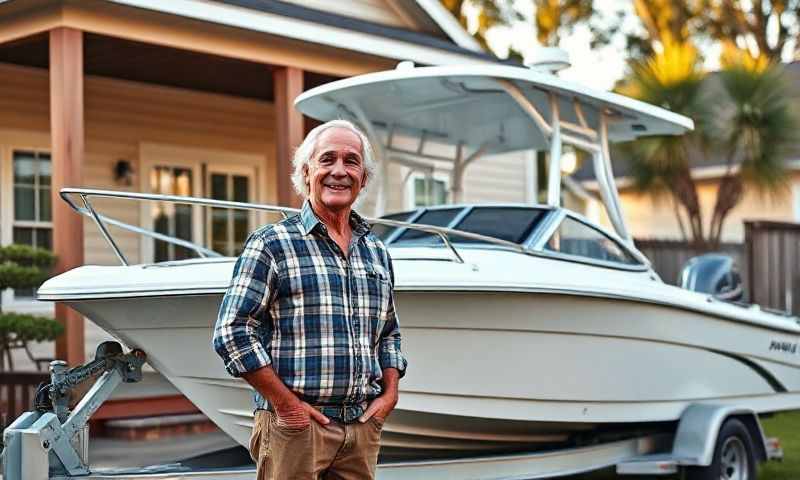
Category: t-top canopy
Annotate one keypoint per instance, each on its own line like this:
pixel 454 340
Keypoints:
pixel 473 105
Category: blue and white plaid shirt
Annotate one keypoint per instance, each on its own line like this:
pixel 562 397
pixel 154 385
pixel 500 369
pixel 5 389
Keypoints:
pixel 325 322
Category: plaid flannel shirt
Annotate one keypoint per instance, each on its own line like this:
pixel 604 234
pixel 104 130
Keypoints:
pixel 325 322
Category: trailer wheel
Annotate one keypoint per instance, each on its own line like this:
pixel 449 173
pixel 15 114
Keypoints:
pixel 734 456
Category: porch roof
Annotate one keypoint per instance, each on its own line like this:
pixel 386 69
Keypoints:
pixel 298 22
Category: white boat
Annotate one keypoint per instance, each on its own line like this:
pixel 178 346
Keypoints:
pixel 539 330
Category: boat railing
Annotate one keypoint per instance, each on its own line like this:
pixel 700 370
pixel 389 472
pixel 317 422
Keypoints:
pixel 80 200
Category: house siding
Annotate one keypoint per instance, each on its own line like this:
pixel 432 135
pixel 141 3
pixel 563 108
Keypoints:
pixel 654 217
pixel 120 117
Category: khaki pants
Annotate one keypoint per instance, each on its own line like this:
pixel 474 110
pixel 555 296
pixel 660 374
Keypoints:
pixel 334 451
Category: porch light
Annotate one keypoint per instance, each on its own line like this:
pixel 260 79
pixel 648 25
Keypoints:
pixel 569 162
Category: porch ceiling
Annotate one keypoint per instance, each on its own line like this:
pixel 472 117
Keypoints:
pixel 148 63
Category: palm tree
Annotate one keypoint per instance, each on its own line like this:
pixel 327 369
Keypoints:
pixel 755 129
pixel 747 120
pixel 671 79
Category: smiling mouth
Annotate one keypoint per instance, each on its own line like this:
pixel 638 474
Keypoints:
pixel 338 188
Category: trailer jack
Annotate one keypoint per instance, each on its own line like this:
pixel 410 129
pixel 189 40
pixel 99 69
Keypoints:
pixel 51 441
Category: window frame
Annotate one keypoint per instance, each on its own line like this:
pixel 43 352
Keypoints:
pixel 198 160
pixel 411 189
pixel 38 144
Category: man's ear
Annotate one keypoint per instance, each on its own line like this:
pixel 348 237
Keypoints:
pixel 305 175
pixel 364 179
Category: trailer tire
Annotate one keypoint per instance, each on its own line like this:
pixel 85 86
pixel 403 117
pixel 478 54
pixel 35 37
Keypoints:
pixel 734 456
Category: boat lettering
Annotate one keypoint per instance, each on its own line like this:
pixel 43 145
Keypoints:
pixel 786 347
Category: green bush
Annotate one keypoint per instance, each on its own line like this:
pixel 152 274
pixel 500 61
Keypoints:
pixel 22 266
pixel 20 327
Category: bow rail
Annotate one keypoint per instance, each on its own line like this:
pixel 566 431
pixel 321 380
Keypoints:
pixel 84 207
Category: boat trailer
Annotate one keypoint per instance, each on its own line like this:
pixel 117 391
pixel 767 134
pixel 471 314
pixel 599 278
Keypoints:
pixel 51 442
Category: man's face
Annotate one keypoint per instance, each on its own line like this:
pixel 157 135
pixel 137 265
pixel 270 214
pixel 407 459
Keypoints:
pixel 336 173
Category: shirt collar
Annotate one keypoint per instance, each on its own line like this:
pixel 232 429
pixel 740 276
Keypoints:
pixel 309 220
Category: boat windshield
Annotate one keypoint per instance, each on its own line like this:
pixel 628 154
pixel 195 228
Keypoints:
pixel 513 224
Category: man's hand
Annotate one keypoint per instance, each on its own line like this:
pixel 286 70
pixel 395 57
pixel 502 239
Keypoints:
pixel 290 410
pixel 297 415
pixel 382 406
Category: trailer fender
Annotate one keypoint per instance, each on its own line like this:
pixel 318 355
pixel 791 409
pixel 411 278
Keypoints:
pixel 699 427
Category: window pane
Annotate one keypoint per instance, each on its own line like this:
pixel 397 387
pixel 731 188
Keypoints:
pixel 219 230
pixel 183 229
pixel 183 182
pixel 384 231
pixel 240 189
pixel 45 169
pixel 24 206
pixel 240 230
pixel 45 213
pixel 37 237
pixel 160 225
pixel 438 217
pixel 429 192
pixel 173 220
pixel 23 235
pixel 44 238
pixel 24 168
pixel 219 188
pixel 511 224
pixel 576 238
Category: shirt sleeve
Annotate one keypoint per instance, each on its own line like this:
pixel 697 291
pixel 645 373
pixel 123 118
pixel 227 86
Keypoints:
pixel 240 324
pixel 390 354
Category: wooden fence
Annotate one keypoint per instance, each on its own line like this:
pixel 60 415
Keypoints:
pixel 773 252
pixel 17 390
pixel 669 256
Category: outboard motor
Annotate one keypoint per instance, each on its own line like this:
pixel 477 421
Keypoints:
pixel 714 274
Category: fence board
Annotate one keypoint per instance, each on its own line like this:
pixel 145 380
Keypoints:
pixel 669 256
pixel 17 390
pixel 774 264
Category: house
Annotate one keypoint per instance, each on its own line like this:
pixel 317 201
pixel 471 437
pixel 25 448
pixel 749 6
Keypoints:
pixel 654 217
pixel 191 97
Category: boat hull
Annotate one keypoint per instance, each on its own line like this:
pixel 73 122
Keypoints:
pixel 550 369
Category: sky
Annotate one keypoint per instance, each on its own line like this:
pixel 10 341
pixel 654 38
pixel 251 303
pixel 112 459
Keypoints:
pixel 599 68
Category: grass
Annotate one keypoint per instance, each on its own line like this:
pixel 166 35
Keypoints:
pixel 785 426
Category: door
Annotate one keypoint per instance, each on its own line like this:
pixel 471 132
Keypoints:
pixel 226 228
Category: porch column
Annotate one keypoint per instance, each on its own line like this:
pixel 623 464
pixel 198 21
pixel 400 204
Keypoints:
pixel 288 84
pixel 66 131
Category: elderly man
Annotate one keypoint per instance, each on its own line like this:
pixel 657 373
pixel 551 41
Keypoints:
pixel 309 321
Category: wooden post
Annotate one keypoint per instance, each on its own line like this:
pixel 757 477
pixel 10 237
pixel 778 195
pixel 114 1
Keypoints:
pixel 288 84
pixel 66 130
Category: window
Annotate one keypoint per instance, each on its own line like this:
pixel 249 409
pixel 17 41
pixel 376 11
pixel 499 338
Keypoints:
pixel 579 239
pixel 171 219
pixel 440 217
pixel 511 224
pixel 385 231
pixel 32 224
pixel 228 228
pixel 429 191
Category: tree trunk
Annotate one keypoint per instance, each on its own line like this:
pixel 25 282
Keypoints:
pixel 729 194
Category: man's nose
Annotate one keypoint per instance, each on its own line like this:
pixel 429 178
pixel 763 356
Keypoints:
pixel 338 169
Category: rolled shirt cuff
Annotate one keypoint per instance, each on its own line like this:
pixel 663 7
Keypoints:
pixel 248 361
pixel 394 360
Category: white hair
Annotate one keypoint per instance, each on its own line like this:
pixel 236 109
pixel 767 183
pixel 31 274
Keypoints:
pixel 302 156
